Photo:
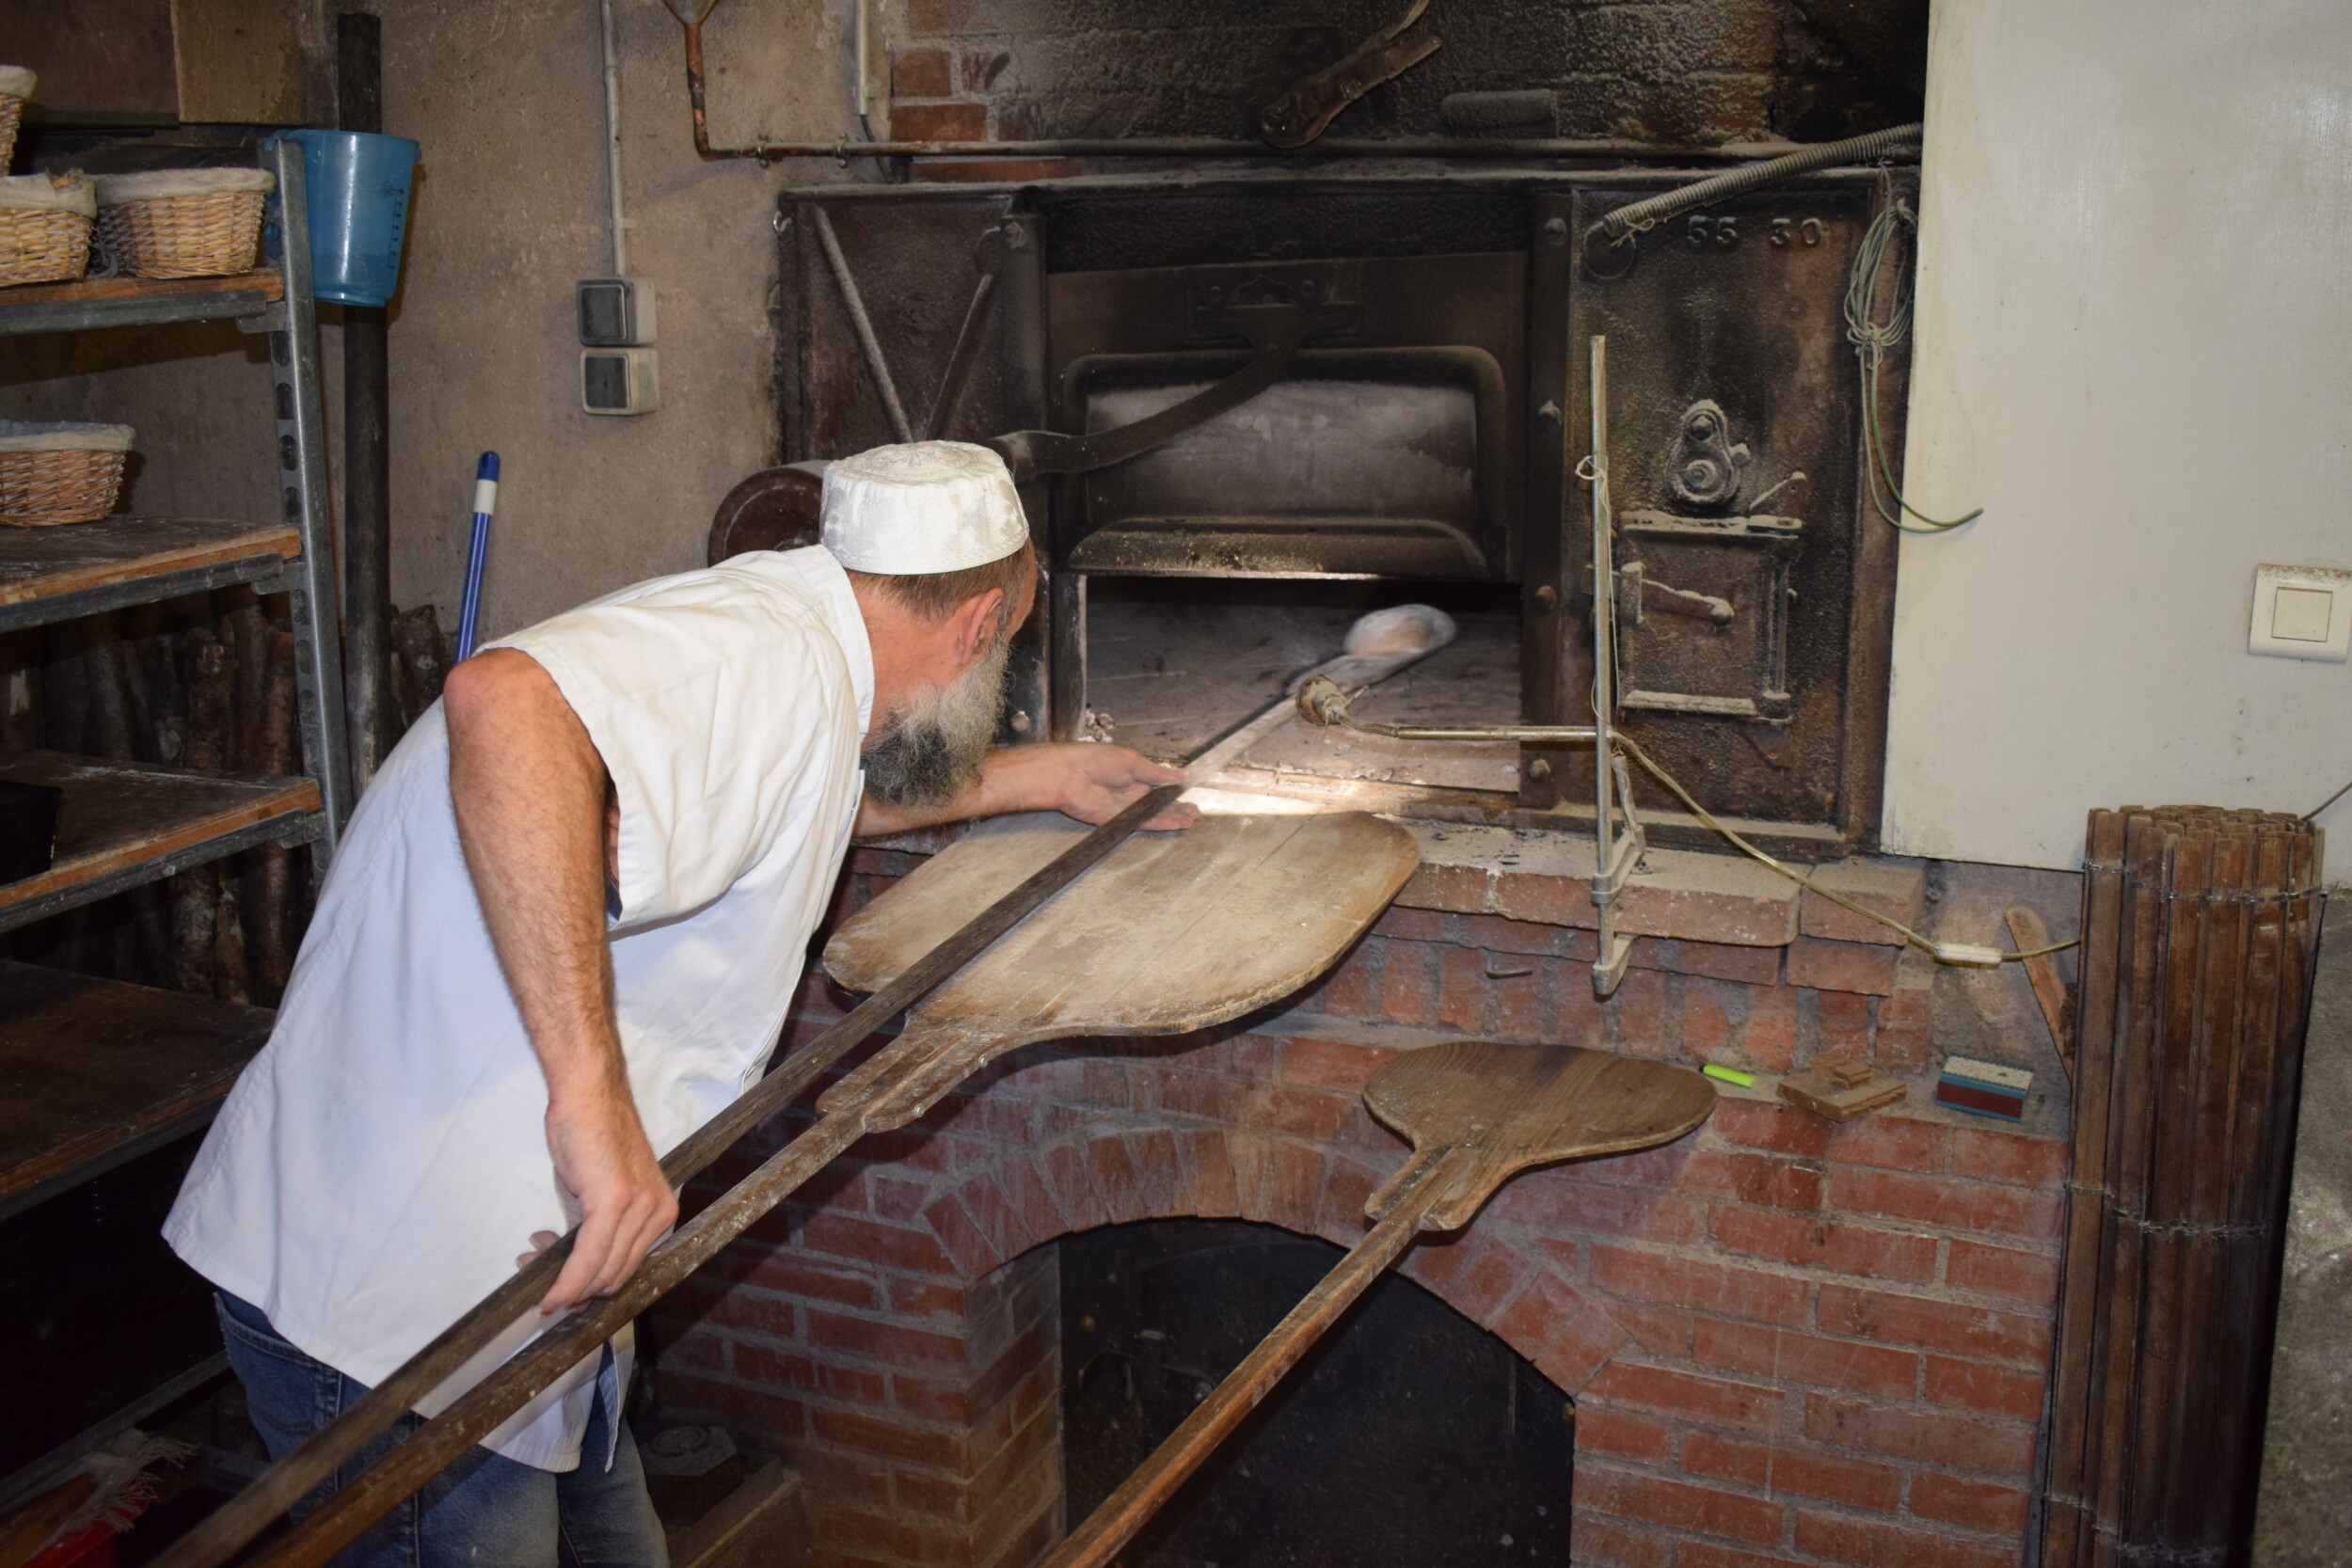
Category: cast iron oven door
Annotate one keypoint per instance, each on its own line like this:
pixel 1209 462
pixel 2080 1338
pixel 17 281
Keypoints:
pixel 1753 596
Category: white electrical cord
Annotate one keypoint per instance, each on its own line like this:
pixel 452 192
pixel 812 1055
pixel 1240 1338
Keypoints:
pixel 1968 955
pixel 612 141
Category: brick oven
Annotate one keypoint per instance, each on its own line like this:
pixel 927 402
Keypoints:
pixel 1779 1341
pixel 1784 1341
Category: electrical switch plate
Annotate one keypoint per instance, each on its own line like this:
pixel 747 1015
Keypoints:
pixel 616 312
pixel 2301 612
pixel 620 380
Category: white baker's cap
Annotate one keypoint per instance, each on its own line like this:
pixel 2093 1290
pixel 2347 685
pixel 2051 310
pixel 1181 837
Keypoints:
pixel 923 507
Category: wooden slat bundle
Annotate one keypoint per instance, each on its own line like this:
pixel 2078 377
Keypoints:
pixel 2198 926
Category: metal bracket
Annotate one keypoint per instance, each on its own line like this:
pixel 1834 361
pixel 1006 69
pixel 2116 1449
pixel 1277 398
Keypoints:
pixel 270 320
pixel 1614 855
pixel 1312 103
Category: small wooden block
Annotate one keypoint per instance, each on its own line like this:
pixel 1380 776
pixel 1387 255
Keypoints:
pixel 1841 1088
pixel 1844 1071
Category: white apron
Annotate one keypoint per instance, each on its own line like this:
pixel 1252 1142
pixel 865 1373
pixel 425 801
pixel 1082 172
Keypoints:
pixel 382 1163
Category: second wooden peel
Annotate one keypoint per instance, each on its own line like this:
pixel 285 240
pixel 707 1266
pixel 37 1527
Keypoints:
pixel 1478 1112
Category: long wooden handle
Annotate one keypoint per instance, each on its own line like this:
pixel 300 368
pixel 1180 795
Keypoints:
pixel 1127 1511
pixel 345 1516
pixel 286 1482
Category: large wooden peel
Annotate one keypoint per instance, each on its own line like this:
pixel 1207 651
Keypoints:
pixel 1175 931
pixel 1478 1114
pixel 1243 908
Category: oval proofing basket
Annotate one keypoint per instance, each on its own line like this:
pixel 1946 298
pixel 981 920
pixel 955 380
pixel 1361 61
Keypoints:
pixel 16 85
pixel 44 228
pixel 183 223
pixel 59 473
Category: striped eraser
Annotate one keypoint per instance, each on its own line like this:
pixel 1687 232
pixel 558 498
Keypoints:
pixel 1983 1088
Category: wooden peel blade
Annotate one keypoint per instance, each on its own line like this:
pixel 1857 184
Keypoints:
pixel 1171 932
pixel 286 1482
pixel 1478 1114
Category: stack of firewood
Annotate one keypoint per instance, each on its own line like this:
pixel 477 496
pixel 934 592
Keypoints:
pixel 205 682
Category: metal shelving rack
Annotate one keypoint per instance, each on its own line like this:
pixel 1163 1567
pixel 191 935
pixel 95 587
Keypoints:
pixel 94 1072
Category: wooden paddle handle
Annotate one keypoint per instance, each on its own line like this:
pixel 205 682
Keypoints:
pixel 1110 1527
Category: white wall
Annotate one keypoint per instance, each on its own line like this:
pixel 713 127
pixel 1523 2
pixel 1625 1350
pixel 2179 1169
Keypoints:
pixel 2135 353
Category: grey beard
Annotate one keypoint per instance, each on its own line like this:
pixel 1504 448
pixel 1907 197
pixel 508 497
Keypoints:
pixel 931 751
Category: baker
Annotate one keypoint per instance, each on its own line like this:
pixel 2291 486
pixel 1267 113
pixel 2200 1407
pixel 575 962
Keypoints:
pixel 563 932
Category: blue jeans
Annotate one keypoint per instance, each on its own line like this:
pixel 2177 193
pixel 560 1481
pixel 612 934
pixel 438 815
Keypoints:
pixel 484 1510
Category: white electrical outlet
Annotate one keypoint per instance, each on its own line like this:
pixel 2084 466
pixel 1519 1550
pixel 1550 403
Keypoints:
pixel 2301 612
pixel 620 380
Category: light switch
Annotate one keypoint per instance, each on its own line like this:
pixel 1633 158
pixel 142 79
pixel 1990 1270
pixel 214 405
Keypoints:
pixel 2300 615
pixel 2301 612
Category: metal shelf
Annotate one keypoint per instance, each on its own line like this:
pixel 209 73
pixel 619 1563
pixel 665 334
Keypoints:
pixel 93 1072
pixel 101 302
pixel 122 824
pixel 86 568
pixel 56 574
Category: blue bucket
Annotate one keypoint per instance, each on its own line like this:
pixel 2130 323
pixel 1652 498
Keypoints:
pixel 358 204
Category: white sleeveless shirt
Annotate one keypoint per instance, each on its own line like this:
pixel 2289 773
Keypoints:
pixel 381 1164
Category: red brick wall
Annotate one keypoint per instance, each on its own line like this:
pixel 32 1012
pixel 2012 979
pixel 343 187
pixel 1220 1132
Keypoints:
pixel 1788 1343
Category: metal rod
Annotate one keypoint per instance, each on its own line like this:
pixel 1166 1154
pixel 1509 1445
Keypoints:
pixel 367 471
pixel 1613 856
pixel 1481 148
pixel 1604 596
pixel 960 357
pixel 286 1482
pixel 1632 219
pixel 312 591
pixel 694 90
pixel 858 318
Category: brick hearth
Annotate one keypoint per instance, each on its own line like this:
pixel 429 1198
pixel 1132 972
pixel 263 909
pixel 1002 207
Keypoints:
pixel 1785 1342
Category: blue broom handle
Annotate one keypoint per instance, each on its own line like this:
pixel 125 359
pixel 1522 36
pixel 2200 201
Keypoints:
pixel 485 503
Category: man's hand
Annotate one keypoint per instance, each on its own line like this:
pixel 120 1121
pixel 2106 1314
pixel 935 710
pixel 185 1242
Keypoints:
pixel 604 1163
pixel 532 800
pixel 1092 783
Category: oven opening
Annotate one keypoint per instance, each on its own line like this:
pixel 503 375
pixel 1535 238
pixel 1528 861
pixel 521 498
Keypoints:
pixel 1174 663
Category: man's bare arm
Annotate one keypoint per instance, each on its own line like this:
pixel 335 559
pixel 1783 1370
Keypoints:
pixel 530 792
pixel 1091 782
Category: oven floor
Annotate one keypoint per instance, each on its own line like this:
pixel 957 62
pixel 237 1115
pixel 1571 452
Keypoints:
pixel 1174 663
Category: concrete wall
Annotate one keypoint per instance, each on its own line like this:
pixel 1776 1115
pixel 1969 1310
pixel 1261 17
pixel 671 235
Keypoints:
pixel 2305 1514
pixel 511 210
pixel 2132 317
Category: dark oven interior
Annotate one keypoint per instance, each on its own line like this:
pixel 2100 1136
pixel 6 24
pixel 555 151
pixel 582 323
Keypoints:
pixel 1418 441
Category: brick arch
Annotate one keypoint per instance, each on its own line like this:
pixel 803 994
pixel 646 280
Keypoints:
pixel 1513 1289
pixel 1788 1342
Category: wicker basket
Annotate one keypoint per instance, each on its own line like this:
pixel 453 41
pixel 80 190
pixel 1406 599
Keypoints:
pixel 16 85
pixel 181 223
pixel 59 473
pixel 44 228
